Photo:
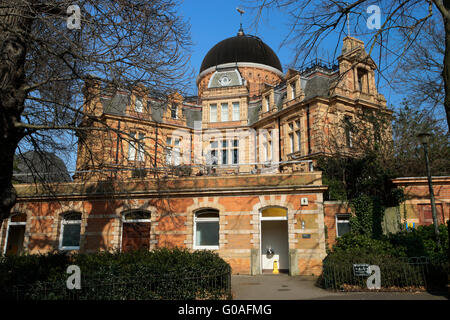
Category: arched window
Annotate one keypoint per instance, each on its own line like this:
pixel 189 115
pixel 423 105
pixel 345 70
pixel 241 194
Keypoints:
pixel 69 238
pixel 136 230
pixel 206 229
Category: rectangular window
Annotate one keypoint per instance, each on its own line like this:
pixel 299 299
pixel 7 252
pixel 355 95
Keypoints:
pixel 224 114
pixel 70 231
pixel 291 141
pixel 213 153
pixel 236 111
pixel 140 154
pixel 176 152
pixel 71 235
pixel 213 113
pixel 235 152
pixel 362 80
pixel 299 141
pixel 342 224
pixel 174 112
pixel 138 107
pixel 169 150
pixel 206 234
pixel 224 152
pixel 132 147
pixel 267 108
pixel 293 88
pixel 348 132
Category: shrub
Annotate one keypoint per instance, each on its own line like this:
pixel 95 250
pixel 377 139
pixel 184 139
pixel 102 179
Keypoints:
pixel 395 271
pixel 422 242
pixel 158 274
pixel 393 254
pixel 364 244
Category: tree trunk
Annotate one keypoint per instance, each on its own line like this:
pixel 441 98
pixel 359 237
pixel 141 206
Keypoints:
pixel 14 26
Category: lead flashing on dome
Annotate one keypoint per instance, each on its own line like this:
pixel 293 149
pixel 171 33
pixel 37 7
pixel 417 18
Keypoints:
pixel 240 64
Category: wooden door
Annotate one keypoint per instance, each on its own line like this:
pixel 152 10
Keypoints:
pixel 426 214
pixel 135 236
pixel 16 235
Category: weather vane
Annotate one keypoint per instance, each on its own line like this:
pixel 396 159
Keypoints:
pixel 241 12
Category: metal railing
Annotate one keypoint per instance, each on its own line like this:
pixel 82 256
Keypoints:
pixel 398 274
pixel 215 285
pixel 182 170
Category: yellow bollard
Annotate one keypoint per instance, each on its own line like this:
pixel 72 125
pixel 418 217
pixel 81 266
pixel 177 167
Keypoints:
pixel 275 267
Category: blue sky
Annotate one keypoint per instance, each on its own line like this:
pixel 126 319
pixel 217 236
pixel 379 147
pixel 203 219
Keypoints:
pixel 212 21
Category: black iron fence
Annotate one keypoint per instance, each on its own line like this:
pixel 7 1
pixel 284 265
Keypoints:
pixel 399 274
pixel 215 285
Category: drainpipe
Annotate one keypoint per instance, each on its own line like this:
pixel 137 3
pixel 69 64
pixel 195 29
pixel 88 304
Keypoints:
pixel 118 141
pixel 117 145
pixel 279 139
pixel 156 148
pixel 308 128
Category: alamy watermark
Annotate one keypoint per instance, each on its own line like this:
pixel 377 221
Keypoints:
pixel 374 20
pixel 374 280
pixel 74 280
pixel 74 18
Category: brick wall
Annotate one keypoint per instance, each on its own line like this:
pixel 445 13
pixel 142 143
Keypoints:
pixel 172 223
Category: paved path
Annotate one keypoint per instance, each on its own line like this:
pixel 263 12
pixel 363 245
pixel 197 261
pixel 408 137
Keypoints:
pixel 284 287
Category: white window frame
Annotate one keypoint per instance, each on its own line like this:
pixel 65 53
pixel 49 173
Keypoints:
pixel 267 100
pixel 169 150
pixel 224 149
pixel 172 109
pixel 140 149
pixel 61 231
pixel 233 148
pixel 291 142
pixel 213 115
pixel 216 150
pixel 132 147
pixel 224 112
pixel 135 220
pixel 5 246
pixel 341 221
pixel 236 111
pixel 176 152
pixel 196 220
pixel 139 105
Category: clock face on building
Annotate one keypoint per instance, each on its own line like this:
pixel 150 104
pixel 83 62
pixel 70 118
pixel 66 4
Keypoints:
pixel 224 81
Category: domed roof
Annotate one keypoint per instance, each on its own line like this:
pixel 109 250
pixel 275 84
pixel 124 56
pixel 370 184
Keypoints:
pixel 241 48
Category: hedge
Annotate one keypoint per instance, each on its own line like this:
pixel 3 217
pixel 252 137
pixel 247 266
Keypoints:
pixel 408 259
pixel 158 274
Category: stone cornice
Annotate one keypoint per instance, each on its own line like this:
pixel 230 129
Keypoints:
pixel 175 187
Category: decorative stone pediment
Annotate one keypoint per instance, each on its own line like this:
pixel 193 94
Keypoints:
pixel 227 78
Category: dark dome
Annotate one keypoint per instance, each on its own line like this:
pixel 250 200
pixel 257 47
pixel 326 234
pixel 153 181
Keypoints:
pixel 241 48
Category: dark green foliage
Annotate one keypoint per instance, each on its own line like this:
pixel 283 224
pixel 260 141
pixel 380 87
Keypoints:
pixel 422 242
pixel 395 255
pixel 395 272
pixel 158 274
pixel 368 216
pixel 349 178
pixel 366 183
pixel 361 244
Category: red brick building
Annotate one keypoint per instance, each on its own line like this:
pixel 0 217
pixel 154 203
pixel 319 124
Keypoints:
pixel 416 209
pixel 231 170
